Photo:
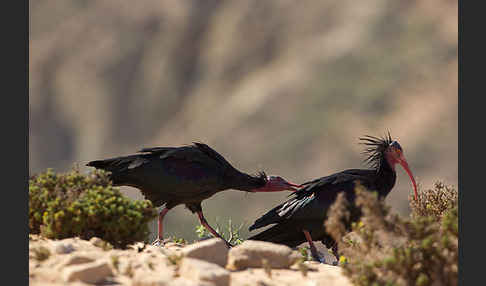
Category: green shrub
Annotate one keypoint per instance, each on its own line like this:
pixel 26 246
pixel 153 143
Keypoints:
pixel 71 204
pixel 41 253
pixel 385 249
pixel 305 253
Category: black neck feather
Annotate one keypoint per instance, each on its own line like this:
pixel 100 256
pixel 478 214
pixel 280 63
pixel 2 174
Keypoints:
pixel 245 182
pixel 385 178
pixel 375 152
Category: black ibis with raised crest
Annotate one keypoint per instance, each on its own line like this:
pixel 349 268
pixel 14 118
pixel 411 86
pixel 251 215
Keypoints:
pixel 302 217
pixel 169 176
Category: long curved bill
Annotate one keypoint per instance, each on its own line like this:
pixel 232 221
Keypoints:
pixel 404 164
pixel 278 187
pixel 293 187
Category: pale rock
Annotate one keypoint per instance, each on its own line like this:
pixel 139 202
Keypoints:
pixel 323 251
pixel 138 246
pixel 185 282
pixel 38 283
pixel 212 250
pixel 83 245
pixel 321 274
pixel 46 274
pixel 204 272
pixel 63 247
pixel 75 259
pixel 92 272
pixel 98 242
pixel 143 278
pixel 95 240
pixel 253 253
pixel 328 275
pixel 157 251
pixel 151 267
pixel 93 254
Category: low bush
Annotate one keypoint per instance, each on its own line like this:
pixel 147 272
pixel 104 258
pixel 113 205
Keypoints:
pixel 71 204
pixel 435 202
pixel 386 249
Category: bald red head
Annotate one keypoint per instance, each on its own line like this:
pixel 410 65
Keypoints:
pixel 394 155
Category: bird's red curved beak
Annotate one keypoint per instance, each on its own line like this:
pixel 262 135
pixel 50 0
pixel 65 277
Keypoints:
pixel 404 164
pixel 294 187
pixel 280 186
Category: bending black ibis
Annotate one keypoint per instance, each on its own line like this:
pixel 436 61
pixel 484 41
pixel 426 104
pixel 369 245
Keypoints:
pixel 170 176
pixel 302 217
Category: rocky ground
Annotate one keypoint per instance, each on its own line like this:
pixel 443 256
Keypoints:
pixel 209 262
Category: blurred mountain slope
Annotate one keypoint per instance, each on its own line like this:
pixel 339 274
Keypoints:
pixel 284 86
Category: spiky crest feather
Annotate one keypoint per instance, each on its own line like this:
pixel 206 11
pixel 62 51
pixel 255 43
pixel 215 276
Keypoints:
pixel 375 149
pixel 262 176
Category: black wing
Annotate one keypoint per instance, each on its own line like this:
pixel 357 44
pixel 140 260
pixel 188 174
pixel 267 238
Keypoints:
pixel 204 148
pixel 163 172
pixel 284 211
pixel 312 201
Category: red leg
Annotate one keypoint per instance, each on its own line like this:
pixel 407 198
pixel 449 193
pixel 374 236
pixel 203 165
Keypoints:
pixel 160 235
pixel 313 249
pixel 162 213
pixel 335 250
pixel 210 229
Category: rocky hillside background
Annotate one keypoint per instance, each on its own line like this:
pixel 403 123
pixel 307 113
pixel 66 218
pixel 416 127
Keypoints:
pixel 283 86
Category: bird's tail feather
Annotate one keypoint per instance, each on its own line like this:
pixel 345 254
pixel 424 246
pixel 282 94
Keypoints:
pixel 117 164
pixel 280 212
pixel 118 168
pixel 268 218
pixel 100 164
pixel 280 233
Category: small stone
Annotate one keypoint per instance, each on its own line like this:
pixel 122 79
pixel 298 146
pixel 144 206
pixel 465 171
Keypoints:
pixel 63 248
pixel 253 253
pixel 204 272
pixel 324 253
pixel 139 246
pixel 96 241
pixel 92 272
pixel 212 250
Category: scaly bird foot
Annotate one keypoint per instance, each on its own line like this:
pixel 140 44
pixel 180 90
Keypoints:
pixel 322 260
pixel 158 242
pixel 318 258
pixel 229 245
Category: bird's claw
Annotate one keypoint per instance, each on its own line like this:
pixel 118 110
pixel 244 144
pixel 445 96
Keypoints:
pixel 158 242
pixel 319 259
pixel 323 261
